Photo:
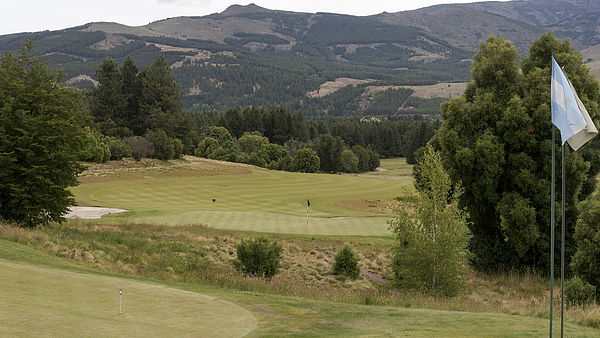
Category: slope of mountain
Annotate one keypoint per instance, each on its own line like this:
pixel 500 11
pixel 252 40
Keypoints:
pixel 249 55
pixel 465 27
pixel 542 13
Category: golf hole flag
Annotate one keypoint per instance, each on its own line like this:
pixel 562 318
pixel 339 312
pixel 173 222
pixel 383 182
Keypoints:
pixel 568 113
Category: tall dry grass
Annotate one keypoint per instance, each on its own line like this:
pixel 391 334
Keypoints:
pixel 201 255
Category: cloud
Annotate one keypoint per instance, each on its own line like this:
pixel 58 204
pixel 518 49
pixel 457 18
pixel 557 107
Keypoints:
pixel 187 3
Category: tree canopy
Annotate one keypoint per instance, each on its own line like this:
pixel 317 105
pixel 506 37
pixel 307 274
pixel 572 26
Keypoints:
pixel 496 140
pixel 127 102
pixel 40 140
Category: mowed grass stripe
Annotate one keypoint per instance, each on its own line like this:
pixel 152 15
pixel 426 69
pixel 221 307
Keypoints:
pixel 269 222
pixel 38 301
pixel 269 201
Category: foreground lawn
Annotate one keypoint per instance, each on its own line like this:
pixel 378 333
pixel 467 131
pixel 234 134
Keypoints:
pixel 46 296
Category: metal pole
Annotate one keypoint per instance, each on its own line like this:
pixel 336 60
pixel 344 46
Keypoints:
pixel 562 247
pixel 307 215
pixel 552 211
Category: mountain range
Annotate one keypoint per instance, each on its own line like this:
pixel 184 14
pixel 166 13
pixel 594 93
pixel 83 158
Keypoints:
pixel 324 64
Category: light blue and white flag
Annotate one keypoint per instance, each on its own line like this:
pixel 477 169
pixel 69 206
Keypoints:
pixel 568 113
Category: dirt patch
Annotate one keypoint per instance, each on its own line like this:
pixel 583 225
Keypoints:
pixel 332 86
pixel 373 277
pixel 82 77
pixel 384 206
pixel 444 90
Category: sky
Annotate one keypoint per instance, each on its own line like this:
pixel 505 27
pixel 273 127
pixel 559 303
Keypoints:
pixel 40 15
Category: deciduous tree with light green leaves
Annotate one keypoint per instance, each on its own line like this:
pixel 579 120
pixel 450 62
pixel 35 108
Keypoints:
pixel 40 140
pixel 432 234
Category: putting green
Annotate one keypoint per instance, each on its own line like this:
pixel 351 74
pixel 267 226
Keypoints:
pixel 38 301
pixel 266 201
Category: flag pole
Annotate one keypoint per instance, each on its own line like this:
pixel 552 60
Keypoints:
pixel 307 205
pixel 576 127
pixel 562 247
pixel 552 212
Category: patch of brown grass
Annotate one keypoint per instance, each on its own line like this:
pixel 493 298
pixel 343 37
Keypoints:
pixel 146 168
pixel 382 206
pixel 330 87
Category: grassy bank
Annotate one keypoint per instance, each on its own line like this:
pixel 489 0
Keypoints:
pixel 304 300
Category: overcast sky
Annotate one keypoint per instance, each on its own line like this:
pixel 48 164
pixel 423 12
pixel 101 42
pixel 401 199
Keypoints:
pixel 38 15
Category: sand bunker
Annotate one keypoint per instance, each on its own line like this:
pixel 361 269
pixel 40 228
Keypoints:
pixel 90 212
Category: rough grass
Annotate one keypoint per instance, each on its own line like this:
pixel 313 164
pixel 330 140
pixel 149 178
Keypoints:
pixel 200 256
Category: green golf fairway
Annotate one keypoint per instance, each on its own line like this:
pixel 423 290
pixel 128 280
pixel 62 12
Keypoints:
pixel 266 201
pixel 57 303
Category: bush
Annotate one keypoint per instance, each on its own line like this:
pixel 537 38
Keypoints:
pixel 579 292
pixel 118 148
pixel 207 147
pixel 163 144
pixel 258 257
pixel 306 161
pixel 94 149
pixel 140 147
pixel 346 262
pixel 177 148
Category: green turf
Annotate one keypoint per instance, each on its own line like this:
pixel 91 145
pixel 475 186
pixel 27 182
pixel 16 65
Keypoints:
pixel 267 201
pixel 45 296
pixel 39 301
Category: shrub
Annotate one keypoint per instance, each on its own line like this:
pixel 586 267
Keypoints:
pixel 163 144
pixel 177 148
pixel 258 257
pixel 118 148
pixel 207 147
pixel 579 292
pixel 94 149
pixel 346 262
pixel 306 161
pixel 140 147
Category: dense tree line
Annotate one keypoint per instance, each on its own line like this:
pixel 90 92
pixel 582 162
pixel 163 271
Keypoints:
pixel 325 153
pixel 388 137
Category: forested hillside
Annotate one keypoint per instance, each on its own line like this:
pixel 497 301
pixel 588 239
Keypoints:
pixel 248 55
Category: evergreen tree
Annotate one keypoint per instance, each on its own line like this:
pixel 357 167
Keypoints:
pixel 40 140
pixel 161 104
pixel 496 140
pixel 131 92
pixel 107 103
pixel 329 149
